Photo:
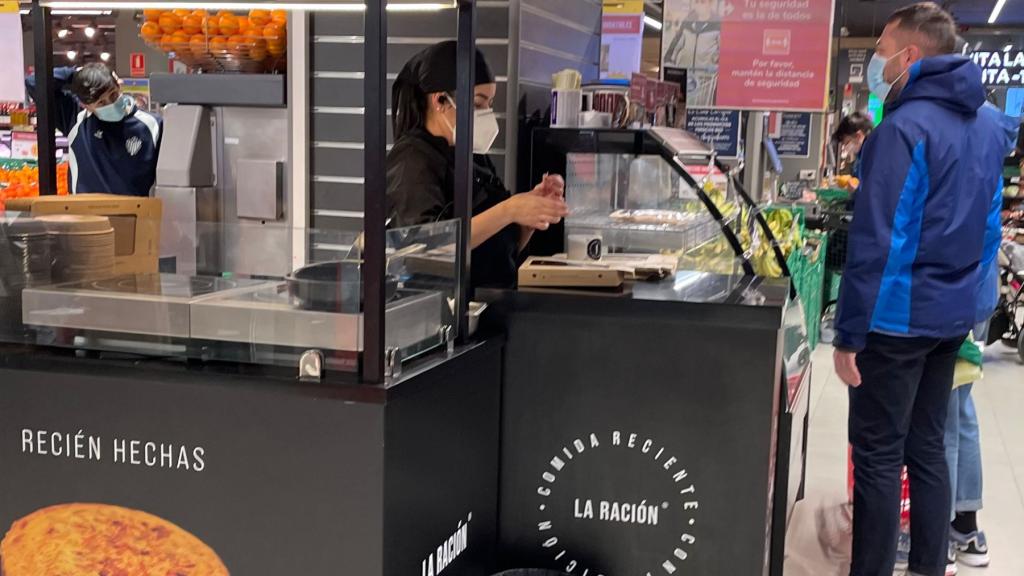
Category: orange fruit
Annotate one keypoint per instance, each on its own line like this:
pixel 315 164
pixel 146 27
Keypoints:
pixel 243 22
pixel 197 44
pixel 211 25
pixel 279 16
pixel 236 44
pixel 225 13
pixel 228 25
pixel 259 17
pixel 258 49
pixel 181 12
pixel 218 44
pixel 170 22
pixel 276 48
pixel 273 31
pixel 200 12
pixel 152 15
pixel 167 43
pixel 180 40
pixel 192 24
pixel 150 32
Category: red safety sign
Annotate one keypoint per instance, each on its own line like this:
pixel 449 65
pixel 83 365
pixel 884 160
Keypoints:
pixel 138 65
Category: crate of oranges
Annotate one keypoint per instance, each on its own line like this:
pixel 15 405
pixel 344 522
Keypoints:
pixel 225 41
pixel 20 179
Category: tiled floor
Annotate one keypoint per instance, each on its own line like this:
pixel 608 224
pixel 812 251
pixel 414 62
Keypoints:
pixel 818 539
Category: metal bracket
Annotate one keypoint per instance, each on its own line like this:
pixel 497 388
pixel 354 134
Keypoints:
pixel 311 366
pixel 447 337
pixel 393 362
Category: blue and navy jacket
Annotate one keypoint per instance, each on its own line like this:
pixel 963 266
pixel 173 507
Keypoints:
pixel 926 226
pixel 111 157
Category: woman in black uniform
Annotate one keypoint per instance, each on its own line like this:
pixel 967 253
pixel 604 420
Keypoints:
pixel 421 167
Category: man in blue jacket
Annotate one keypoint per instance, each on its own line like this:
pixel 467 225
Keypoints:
pixel 113 146
pixel 925 231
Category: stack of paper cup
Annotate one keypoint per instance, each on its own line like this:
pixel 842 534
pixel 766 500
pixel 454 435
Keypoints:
pixel 83 247
pixel 566 98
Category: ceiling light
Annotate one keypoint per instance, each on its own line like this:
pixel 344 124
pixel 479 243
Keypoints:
pixel 23 12
pixel 72 55
pixel 63 33
pixel 80 12
pixel 652 22
pixel 89 31
pixel 104 56
pixel 996 11
pixel 191 4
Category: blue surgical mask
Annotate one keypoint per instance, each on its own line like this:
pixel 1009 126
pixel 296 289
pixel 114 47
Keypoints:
pixel 116 110
pixel 876 76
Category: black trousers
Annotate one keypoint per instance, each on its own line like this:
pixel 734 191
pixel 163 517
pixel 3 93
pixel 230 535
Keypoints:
pixel 897 417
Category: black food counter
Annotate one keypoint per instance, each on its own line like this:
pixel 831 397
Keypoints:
pixel 656 431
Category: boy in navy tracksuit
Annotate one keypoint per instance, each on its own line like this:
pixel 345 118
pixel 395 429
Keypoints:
pixel 113 146
pixel 925 233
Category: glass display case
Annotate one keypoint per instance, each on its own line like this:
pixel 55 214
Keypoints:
pixel 656 191
pixel 64 282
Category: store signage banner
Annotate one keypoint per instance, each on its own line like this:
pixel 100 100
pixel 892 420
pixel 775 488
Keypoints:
pixel 751 54
pixel 791 133
pixel 1001 69
pixel 719 129
pixel 12 65
pixel 622 39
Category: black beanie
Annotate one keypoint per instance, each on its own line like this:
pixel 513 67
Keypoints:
pixel 434 70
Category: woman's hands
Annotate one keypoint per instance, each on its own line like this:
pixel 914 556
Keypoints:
pixel 535 210
pixel 551 186
pixel 541 207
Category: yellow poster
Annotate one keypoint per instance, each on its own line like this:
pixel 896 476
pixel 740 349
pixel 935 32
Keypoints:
pixel 623 6
pixel 8 6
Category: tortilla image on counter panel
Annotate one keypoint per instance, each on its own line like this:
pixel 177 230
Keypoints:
pixel 89 539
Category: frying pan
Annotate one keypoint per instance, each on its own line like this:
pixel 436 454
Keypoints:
pixel 332 286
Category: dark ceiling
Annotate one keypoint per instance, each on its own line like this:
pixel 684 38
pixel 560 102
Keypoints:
pixel 867 17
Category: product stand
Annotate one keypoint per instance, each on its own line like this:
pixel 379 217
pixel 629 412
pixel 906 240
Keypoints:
pixel 369 475
pixel 713 385
pixel 713 370
pixel 377 475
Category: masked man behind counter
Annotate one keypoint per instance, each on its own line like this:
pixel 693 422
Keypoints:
pixel 113 145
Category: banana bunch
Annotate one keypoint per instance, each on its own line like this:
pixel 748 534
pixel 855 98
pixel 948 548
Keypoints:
pixel 765 263
pixel 786 231
pixel 719 199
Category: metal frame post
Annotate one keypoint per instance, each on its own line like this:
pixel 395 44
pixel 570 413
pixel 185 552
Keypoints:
pixel 42 30
pixel 466 70
pixel 374 189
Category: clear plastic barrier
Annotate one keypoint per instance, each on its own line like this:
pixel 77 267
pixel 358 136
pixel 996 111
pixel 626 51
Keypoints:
pixel 233 292
pixel 639 204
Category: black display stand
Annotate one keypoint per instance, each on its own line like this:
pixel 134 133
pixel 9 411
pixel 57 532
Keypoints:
pixel 276 477
pixel 643 432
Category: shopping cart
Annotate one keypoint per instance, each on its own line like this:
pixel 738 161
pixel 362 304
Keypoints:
pixel 1008 322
